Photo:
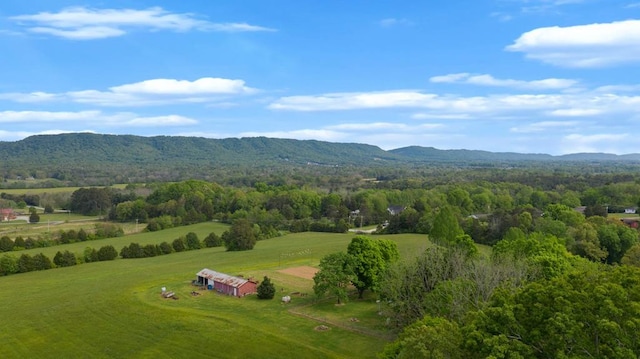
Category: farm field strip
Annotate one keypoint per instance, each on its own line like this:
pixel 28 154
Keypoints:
pixel 114 309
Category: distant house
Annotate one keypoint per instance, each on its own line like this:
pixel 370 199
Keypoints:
pixel 395 210
pixel 7 214
pixel 226 284
pixel 631 222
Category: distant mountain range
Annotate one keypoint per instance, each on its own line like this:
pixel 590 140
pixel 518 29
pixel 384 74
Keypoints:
pixel 86 149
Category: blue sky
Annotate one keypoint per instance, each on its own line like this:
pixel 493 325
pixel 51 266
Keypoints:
pixel 533 76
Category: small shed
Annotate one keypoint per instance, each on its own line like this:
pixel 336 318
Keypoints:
pixel 7 214
pixel 226 284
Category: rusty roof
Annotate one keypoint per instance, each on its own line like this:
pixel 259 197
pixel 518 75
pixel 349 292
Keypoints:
pixel 236 282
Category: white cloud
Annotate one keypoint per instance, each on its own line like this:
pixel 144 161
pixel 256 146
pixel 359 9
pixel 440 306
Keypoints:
pixel 610 143
pixel 488 80
pixel 582 46
pixel 126 119
pixel 500 107
pixel 146 93
pixel 381 126
pixel 536 6
pixel 85 33
pixel 19 135
pixel 238 27
pixel 305 134
pixel 389 22
pixel 205 85
pixel 544 126
pixel 450 78
pixel 347 101
pixel 82 23
pixel 618 88
pixel 168 120
pixel 501 16
pixel 575 112
pixel 29 97
pixel 434 116
pixel 45 116
pixel 383 134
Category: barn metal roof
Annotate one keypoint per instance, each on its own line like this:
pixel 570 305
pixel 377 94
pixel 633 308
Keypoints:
pixel 236 282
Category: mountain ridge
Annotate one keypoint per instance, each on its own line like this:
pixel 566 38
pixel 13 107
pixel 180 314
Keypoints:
pixel 90 147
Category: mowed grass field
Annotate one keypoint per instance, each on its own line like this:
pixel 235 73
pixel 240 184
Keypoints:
pixel 114 309
pixel 18 191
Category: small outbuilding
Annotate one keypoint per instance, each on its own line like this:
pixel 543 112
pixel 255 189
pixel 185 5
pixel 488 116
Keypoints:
pixel 7 214
pixel 226 284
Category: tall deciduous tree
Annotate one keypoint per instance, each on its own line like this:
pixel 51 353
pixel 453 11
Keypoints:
pixel 445 227
pixel 334 276
pixel 240 237
pixel 370 259
pixel 428 337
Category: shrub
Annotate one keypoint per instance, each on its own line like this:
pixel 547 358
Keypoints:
pixel 107 253
pixel 212 240
pixel 266 289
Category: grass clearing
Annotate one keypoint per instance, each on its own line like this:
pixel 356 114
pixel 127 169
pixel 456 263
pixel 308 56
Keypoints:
pixel 19 191
pixel 114 309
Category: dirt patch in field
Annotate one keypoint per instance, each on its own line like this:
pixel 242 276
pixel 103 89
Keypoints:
pixel 305 272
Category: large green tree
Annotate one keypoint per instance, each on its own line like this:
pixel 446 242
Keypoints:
pixel 334 277
pixel 445 227
pixel 240 237
pixel 591 313
pixel 91 201
pixel 370 259
pixel 429 338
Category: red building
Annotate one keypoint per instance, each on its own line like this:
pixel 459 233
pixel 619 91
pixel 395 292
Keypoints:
pixel 227 284
pixel 7 214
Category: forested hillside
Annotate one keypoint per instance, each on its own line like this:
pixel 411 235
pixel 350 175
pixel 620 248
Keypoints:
pixel 96 159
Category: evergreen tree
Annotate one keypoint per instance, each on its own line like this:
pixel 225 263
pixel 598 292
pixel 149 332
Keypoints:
pixel 266 289
pixel 8 264
pixel 19 242
pixel 25 263
pixel 107 253
pixel 6 244
pixel 90 255
pixel 192 241
pixel 178 244
pixel 34 217
pixel 41 262
pixel 213 240
pixel 165 248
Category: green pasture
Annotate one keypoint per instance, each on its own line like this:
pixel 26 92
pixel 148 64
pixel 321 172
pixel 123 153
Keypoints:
pixel 114 309
pixel 143 238
pixel 18 191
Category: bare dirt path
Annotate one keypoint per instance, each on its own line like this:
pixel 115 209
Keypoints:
pixel 305 272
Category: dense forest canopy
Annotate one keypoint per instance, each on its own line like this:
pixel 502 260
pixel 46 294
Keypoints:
pixel 84 159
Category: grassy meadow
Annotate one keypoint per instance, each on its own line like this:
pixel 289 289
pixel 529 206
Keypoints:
pixel 114 309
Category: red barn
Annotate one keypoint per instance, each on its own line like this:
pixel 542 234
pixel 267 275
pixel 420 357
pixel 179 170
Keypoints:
pixel 7 214
pixel 227 284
